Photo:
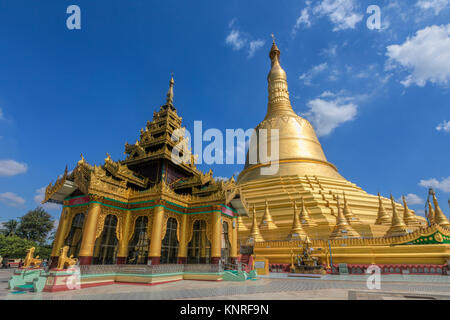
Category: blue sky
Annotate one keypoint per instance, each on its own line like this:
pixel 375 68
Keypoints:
pixel 379 99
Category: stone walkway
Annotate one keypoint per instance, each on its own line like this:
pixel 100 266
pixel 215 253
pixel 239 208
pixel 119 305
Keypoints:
pixel 261 289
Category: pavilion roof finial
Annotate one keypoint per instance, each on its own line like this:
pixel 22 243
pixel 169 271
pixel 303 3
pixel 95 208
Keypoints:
pixel 169 100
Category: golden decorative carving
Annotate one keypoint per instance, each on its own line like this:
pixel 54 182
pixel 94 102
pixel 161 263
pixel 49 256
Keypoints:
pixel 191 221
pixel 167 215
pixel 52 189
pixel 106 211
pixel 30 261
pixel 64 261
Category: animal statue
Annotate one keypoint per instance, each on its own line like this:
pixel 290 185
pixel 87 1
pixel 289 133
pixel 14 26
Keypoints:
pixel 30 261
pixel 65 261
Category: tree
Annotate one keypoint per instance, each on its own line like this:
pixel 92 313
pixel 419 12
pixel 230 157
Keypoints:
pixel 10 227
pixel 14 246
pixel 35 225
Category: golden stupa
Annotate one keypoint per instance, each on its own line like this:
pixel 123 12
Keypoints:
pixel 304 175
pixel 366 229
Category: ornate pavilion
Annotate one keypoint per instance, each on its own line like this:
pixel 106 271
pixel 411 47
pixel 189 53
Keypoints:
pixel 148 209
pixel 145 209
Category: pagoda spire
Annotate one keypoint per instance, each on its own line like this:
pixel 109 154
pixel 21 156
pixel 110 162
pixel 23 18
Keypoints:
pixel 439 216
pixel 409 217
pixel 342 229
pixel 169 99
pixel 430 213
pixel 279 102
pixel 348 213
pixel 240 223
pixel 267 221
pixel 255 234
pixel 398 226
pixel 297 230
pixel 305 219
pixel 382 217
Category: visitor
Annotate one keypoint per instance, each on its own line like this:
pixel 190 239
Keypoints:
pixel 20 263
pixel 5 262
pixel 44 263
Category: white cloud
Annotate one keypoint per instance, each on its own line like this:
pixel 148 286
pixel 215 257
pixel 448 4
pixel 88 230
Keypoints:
pixel 253 46
pixel 315 70
pixel 40 194
pixel 340 12
pixel 11 199
pixel 443 185
pixel 330 51
pixel 11 168
pixel 444 126
pixel 412 199
pixel 239 40
pixel 235 39
pixel 303 19
pixel 426 56
pixel 436 5
pixel 327 115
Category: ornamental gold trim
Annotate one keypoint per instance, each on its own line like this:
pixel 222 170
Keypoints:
pixel 191 221
pixel 167 215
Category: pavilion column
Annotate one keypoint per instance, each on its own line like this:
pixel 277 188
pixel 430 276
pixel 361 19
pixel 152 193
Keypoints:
pixel 216 243
pixel 63 226
pixel 89 230
pixel 155 243
pixel 234 243
pixel 182 248
pixel 122 252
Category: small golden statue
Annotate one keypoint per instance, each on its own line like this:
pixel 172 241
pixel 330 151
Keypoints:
pixel 65 261
pixel 30 261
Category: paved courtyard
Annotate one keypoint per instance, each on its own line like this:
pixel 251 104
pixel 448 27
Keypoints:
pixel 265 288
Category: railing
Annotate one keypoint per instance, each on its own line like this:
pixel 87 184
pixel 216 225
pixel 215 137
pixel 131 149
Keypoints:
pixel 146 269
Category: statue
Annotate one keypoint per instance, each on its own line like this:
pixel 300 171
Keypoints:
pixel 30 261
pixel 64 261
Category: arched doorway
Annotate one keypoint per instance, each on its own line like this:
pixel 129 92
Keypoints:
pixel 108 242
pixel 139 244
pixel 169 245
pixel 199 248
pixel 73 240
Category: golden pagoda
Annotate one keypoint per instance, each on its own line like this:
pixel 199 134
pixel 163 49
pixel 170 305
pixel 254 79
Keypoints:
pixel 382 216
pixel 305 219
pixel 348 213
pixel 398 226
pixel 343 229
pixel 255 234
pixel 304 174
pixel 409 217
pixel 368 229
pixel 439 216
pixel 297 231
pixel 267 222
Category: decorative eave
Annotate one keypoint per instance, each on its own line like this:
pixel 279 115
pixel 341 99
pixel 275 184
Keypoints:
pixel 122 172
pixel 60 190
